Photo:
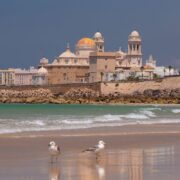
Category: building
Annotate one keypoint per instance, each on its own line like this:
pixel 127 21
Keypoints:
pixel 41 77
pixel 71 67
pixel 23 76
pixel 31 76
pixel 7 77
pixel 102 66
pixel 119 65
pixel 91 63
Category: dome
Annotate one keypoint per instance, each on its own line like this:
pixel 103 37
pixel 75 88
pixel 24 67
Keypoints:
pixel 44 61
pixel 86 42
pixel 135 34
pixel 42 70
pixel 98 35
pixel 67 54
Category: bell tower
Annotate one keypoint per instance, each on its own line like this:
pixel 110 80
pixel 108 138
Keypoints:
pixel 135 49
pixel 99 41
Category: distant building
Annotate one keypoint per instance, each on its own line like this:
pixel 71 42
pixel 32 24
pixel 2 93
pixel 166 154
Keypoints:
pixel 7 77
pixel 41 77
pixel 31 76
pixel 23 76
pixel 102 65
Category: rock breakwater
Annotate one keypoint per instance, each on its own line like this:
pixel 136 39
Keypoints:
pixel 89 96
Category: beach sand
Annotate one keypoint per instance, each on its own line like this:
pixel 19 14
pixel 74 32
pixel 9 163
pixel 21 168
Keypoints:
pixel 142 152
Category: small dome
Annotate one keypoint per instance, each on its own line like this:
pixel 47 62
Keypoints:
pixel 135 34
pixel 44 61
pixel 86 42
pixel 42 70
pixel 98 35
pixel 67 54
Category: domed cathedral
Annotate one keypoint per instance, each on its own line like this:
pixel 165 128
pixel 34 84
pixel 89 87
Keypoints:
pixel 67 68
pixel 134 54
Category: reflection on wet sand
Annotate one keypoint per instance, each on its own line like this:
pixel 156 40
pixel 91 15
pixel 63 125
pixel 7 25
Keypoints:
pixel 127 164
pixel 54 172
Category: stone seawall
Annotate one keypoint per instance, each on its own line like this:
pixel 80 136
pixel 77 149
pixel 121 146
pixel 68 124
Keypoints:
pixel 163 91
pixel 129 88
pixel 59 89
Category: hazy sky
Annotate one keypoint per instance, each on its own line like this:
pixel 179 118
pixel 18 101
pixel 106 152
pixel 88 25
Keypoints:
pixel 32 29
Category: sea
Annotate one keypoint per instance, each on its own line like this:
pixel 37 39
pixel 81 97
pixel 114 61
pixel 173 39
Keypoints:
pixel 41 117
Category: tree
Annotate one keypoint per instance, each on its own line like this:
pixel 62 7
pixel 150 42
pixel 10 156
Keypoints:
pixel 142 70
pixel 169 67
pixel 114 76
pixel 164 72
pixel 102 74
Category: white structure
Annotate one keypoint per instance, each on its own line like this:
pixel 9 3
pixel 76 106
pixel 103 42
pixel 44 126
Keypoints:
pixel 31 76
pixel 99 41
pixel 68 58
pixel 24 77
pixel 134 49
pixel 162 71
pixel 7 77
pixel 41 77
pixel 151 62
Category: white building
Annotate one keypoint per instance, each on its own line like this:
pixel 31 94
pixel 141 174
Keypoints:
pixel 41 77
pixel 7 77
pixel 24 77
pixel 31 76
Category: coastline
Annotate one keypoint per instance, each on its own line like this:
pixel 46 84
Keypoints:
pixel 125 130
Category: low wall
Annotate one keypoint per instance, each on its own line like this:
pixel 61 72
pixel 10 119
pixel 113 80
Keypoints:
pixel 59 89
pixel 130 87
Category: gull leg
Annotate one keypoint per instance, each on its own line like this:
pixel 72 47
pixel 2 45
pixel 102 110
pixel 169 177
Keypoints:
pixel 51 159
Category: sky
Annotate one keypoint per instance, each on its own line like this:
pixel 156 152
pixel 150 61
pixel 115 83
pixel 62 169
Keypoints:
pixel 32 29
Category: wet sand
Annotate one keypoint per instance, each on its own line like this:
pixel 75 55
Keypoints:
pixel 133 153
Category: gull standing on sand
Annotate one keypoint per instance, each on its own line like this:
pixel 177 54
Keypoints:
pixel 54 151
pixel 96 149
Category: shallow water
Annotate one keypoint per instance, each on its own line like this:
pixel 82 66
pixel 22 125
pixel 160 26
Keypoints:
pixel 39 117
pixel 153 163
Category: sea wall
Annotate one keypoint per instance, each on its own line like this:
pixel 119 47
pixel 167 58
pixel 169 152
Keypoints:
pixel 59 89
pixel 162 91
pixel 129 88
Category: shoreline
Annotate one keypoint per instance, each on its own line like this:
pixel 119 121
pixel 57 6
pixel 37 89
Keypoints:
pixel 126 130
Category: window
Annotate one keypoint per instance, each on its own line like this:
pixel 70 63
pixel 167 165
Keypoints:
pixel 66 61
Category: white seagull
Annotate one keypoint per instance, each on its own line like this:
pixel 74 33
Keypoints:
pixel 54 151
pixel 96 149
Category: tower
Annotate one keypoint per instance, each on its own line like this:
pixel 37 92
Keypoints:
pixel 135 49
pixel 99 41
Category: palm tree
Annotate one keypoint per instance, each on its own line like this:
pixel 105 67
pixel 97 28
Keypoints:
pixel 164 72
pixel 102 74
pixel 169 67
pixel 114 76
pixel 142 70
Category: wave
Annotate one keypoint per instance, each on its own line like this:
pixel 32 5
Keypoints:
pixel 144 115
pixel 176 111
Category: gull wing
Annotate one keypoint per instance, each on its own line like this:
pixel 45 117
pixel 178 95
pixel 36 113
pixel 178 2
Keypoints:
pixel 91 149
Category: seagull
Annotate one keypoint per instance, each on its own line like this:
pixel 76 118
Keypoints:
pixel 96 149
pixel 54 151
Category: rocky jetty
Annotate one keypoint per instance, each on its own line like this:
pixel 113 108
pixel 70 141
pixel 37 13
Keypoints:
pixel 25 96
pixel 89 96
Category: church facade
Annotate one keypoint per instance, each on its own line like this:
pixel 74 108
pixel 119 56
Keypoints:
pixel 91 63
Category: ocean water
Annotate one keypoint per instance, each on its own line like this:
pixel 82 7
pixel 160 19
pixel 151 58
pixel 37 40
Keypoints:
pixel 39 117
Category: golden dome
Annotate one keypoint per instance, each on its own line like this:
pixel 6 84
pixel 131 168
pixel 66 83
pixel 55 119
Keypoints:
pixel 86 42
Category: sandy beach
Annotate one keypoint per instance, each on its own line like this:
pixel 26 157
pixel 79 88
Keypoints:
pixel 141 152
